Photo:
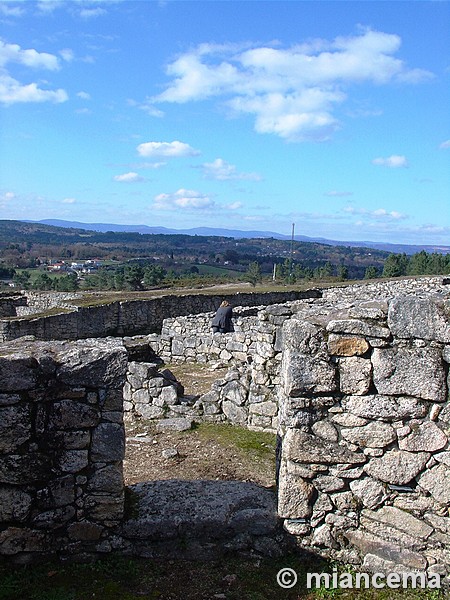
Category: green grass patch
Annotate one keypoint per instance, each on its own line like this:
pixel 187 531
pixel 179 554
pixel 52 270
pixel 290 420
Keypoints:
pixel 259 444
pixel 213 270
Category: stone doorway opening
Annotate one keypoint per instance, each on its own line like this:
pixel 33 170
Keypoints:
pixel 200 491
pixel 209 450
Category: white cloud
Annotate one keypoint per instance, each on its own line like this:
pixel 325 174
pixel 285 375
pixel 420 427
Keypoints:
pixel 291 92
pixel 155 165
pixel 6 197
pixel 336 194
pixel 184 199
pixel 378 214
pixel 12 92
pixel 221 170
pixel 90 13
pixel 11 11
pixel 393 162
pixel 129 178
pixel 84 95
pixel 29 58
pixel 148 107
pixel 69 201
pixel 67 54
pixel 166 149
pixel 234 206
pixel 48 6
pixel 254 218
pixel 444 145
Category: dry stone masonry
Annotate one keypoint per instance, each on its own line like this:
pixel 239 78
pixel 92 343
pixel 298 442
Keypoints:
pixel 365 422
pixel 355 381
pixel 62 447
pixel 69 321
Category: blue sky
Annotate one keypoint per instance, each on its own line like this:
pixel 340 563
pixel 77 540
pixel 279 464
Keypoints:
pixel 251 115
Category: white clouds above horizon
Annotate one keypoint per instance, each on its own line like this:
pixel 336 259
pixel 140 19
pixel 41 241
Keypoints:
pixel 91 13
pixel 13 91
pixel 378 214
pixel 11 11
pixel 85 9
pixel 30 57
pixel 166 149
pixel 291 92
pixel 234 206
pixel 67 54
pixel 221 170
pixel 183 199
pixel 393 162
pixel 155 165
pixel 147 106
pixel 6 197
pixel 130 177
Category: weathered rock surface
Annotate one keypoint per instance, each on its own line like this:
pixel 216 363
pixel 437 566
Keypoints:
pixel 294 496
pixel 305 368
pixel 370 493
pixel 437 482
pixel 422 318
pixel 355 375
pixel 359 328
pixel 347 346
pixel 374 435
pixel 15 427
pixel 397 467
pixel 413 371
pixel 425 437
pixel 180 424
pixel 199 514
pixel 302 447
pixel 371 544
pixel 385 408
pixel 401 520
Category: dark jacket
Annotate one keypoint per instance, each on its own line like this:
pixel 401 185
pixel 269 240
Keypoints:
pixel 222 318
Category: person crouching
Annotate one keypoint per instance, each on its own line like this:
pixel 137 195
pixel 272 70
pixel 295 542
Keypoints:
pixel 221 322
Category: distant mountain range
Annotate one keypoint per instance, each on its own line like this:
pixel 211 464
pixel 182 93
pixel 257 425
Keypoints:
pixel 236 233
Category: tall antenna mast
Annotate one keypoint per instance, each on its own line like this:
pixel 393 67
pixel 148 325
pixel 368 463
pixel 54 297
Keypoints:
pixel 291 253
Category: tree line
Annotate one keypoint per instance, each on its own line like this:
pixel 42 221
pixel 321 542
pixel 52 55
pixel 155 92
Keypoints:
pixel 136 277
pixel 421 263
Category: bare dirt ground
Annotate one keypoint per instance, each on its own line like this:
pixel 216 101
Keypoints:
pixel 209 451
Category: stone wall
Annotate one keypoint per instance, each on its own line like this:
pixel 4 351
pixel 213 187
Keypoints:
pixel 11 303
pixel 365 425
pixel 421 286
pixel 150 393
pixel 38 302
pixel 357 388
pixel 61 448
pixel 128 317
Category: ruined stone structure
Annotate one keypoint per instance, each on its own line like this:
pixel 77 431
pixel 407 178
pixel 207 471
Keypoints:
pixel 67 321
pixel 62 446
pixel 356 384
pixel 365 420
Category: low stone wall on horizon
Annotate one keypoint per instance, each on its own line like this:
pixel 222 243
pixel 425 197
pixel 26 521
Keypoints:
pixel 127 317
